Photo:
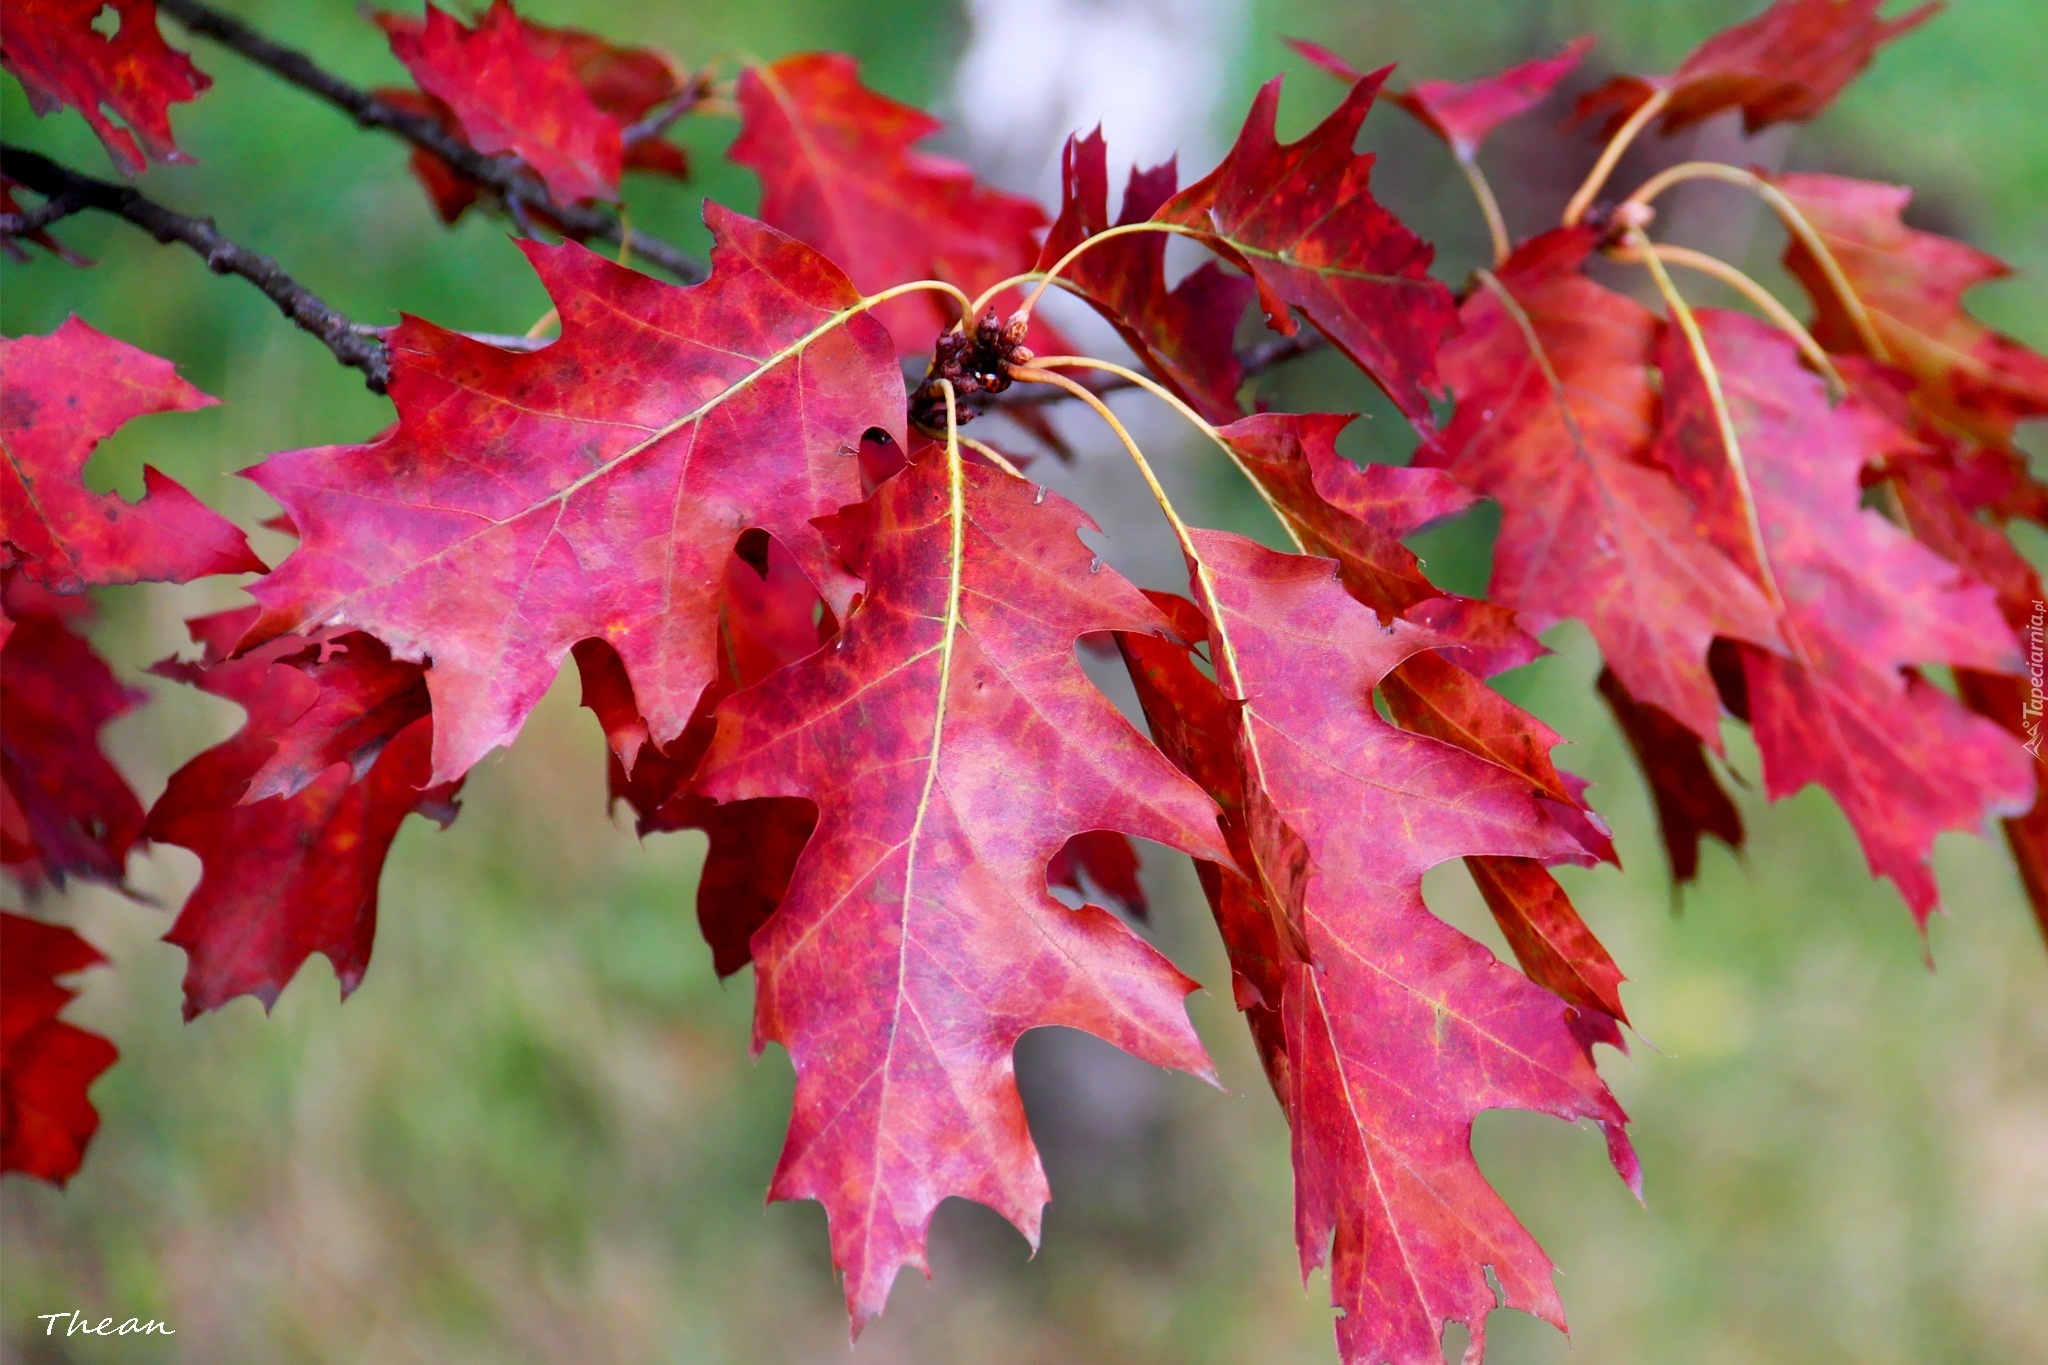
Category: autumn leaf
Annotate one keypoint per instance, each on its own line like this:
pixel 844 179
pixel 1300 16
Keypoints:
pixel 1688 796
pixel 1185 333
pixel 1104 861
pixel 770 615
pixel 46 1065
pixel 60 52
pixel 1858 599
pixel 1785 65
pixel 286 876
pixel 839 171
pixel 593 488
pixel 1395 1031
pixel 512 90
pixel 1300 219
pixel 1464 113
pixel 60 396
pixel 1554 421
pixel 65 810
pixel 626 84
pixel 952 745
pixel 1911 284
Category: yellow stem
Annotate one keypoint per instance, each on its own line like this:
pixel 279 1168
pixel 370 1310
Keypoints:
pixel 1161 391
pixel 1610 156
pixel 1047 277
pixel 1765 301
pixel 1496 224
pixel 982 448
pixel 1710 377
pixel 551 318
pixel 1795 222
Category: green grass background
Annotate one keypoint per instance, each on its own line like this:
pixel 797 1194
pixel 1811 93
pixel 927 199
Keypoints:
pixel 535 1133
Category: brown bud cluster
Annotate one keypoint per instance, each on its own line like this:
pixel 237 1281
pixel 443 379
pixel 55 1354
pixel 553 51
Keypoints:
pixel 973 361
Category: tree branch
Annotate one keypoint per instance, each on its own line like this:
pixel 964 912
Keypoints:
pixel 352 343
pixel 505 174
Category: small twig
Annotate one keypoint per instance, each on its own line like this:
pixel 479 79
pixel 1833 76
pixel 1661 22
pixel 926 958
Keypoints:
pixel 36 219
pixel 353 344
pixel 506 175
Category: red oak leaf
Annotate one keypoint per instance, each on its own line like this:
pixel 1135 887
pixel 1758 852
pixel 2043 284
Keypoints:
pixel 60 396
pixel 515 91
pixel 1555 419
pixel 593 488
pixel 1183 334
pixel 46 1065
pixel 1785 65
pixel 288 876
pixel 1396 1031
pixel 60 53
pixel 627 84
pixel 839 172
pixel 1549 938
pixel 1300 219
pixel 1689 799
pixel 1463 113
pixel 1939 494
pixel 65 811
pixel 1860 600
pixel 952 746
pixel 1912 285
pixel 769 617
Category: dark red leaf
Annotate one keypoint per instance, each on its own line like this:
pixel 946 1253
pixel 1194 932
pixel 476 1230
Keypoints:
pixel 60 396
pixel 1102 860
pixel 839 172
pixel 285 877
pixel 952 746
pixel 65 811
pixel 1555 418
pixel 46 1065
pixel 1549 939
pixel 1689 799
pixel 55 50
pixel 1184 334
pixel 1300 219
pixel 593 488
pixel 513 90
pixel 1785 65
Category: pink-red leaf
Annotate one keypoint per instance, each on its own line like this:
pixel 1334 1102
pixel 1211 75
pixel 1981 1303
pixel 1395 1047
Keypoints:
pixel 288 876
pixel 59 54
pixel 46 1065
pixel 1184 334
pixel 1785 65
pixel 1555 419
pixel 839 171
pixel 515 90
pixel 1859 602
pixel 952 746
pixel 1912 285
pixel 1395 1031
pixel 594 488
pixel 1688 796
pixel 60 396
pixel 1463 113
pixel 1300 219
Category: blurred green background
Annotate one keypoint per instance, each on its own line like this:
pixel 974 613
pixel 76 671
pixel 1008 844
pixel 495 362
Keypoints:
pixel 535 1134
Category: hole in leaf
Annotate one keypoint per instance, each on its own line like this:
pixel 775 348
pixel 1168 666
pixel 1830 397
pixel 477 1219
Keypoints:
pixel 107 23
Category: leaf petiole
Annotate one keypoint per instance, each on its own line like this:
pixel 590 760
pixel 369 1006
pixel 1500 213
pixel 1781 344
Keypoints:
pixel 1610 156
pixel 1765 301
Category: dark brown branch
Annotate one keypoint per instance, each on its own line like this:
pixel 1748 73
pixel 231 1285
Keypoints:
pixel 36 219
pixel 352 343
pixel 505 174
